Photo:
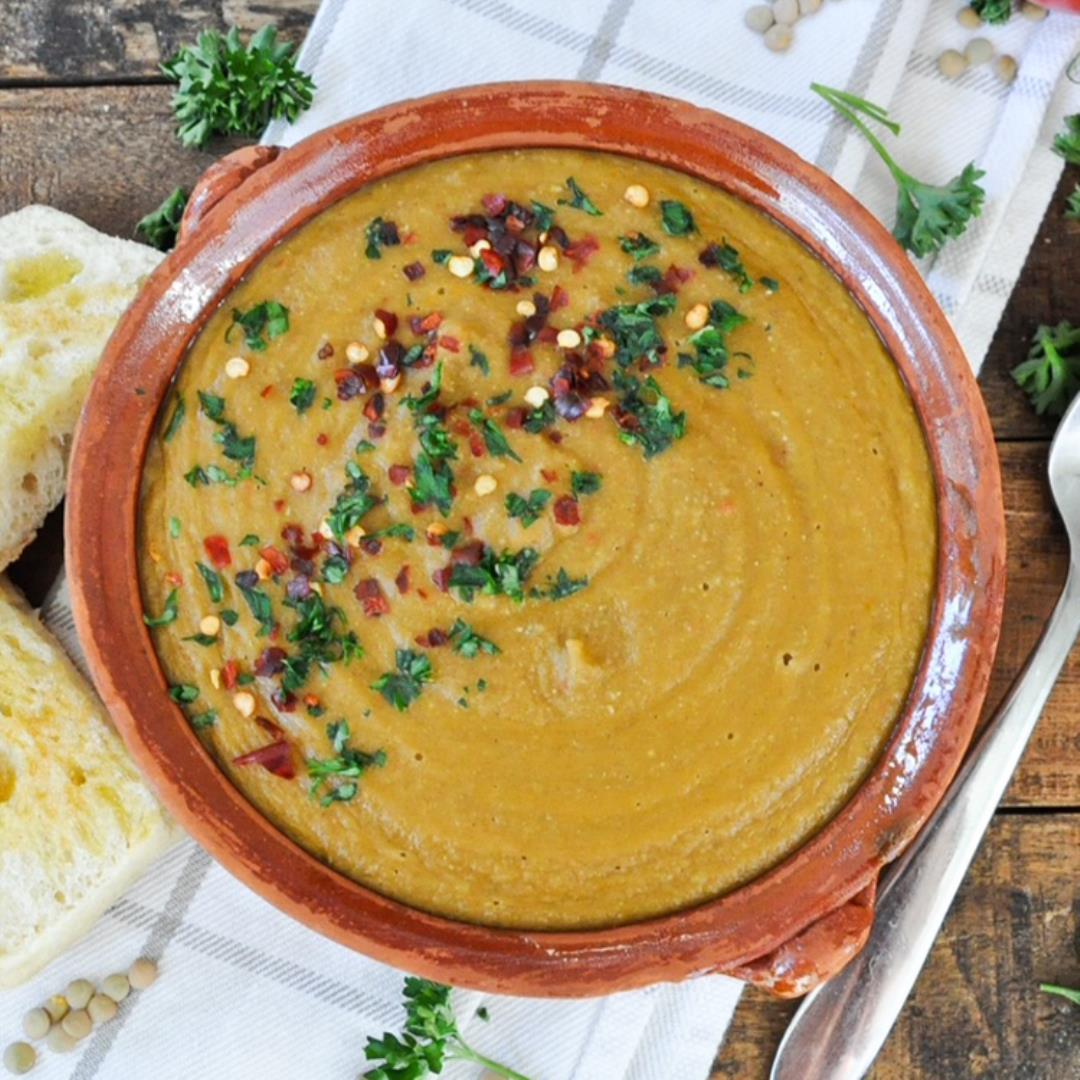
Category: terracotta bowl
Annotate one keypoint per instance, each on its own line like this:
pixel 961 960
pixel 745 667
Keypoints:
pixel 789 928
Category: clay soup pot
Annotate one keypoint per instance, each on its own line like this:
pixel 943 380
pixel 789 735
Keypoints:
pixel 790 927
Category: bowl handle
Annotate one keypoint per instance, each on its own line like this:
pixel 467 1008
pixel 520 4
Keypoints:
pixel 817 952
pixel 219 180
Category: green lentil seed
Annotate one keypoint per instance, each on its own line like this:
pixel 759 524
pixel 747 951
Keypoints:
pixel 19 1058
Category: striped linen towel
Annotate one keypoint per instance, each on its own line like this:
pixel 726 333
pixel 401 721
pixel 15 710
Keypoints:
pixel 247 992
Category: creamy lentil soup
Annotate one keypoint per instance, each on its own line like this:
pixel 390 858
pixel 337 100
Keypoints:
pixel 541 552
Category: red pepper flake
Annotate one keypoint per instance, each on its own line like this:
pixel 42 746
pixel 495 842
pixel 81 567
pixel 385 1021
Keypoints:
pixel 567 511
pixel 269 726
pixel 422 594
pixel 326 351
pixel 493 262
pixel 431 322
pixel 371 545
pixel 311 700
pixel 460 427
pixel 476 445
pixel 581 251
pixel 560 298
pixel 322 438
pixel 550 475
pixel 376 431
pixel 433 638
pixel 229 674
pixel 217 548
pixel 474 233
pixel 495 205
pixel 277 758
pixel 398 474
pixel 450 344
pixel 174 579
pixel 521 362
pixel 388 319
pixel 375 407
pixel 278 563
pixel 672 279
pixel 280 505
pixel 293 535
pixel 554 436
pixel 370 594
pixel 468 554
pixel 467 525
pixel 402 580
pixel 441 578
pixel 514 418
pixel 267 390
pixel 548 335
pixel 270 661
pixel 283 701
pixel 355 381
pixel 275 632
pixel 414 271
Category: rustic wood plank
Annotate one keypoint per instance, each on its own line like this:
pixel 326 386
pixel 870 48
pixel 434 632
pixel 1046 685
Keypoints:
pixel 1047 292
pixel 78 41
pixel 976 1010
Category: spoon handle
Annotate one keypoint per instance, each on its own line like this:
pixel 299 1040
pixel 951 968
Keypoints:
pixel 841 1026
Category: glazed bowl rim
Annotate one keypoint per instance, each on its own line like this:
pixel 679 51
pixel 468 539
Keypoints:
pixel 925 749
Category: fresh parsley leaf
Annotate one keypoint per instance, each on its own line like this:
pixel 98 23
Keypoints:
pixel 494 439
pixel 676 218
pixel 260 606
pixel 769 284
pixel 433 483
pixel 302 394
pixel 540 419
pixel 250 540
pixel 579 200
pixel 174 527
pixel 175 420
pixel 500 399
pixel 994 12
pixel 335 570
pixel 1067 143
pixel 562 586
pixel 1050 376
pixel 380 234
pixel 160 226
pixel 496 575
pixel 639 245
pixel 225 88
pixel 213 582
pixel 645 275
pixel 1072 205
pixel 477 359
pixel 530 509
pixel 635 332
pixel 234 446
pixel 229 617
pixel 725 257
pixel 403 687
pixel 645 415
pixel 585 483
pixel 184 693
pixel 710 345
pixel 212 406
pixel 270 318
pixel 352 503
pixel 169 613
pixel 317 639
pixel 1062 991
pixel 927 215
pixel 441 256
pixel 469 643
pixel 543 216
pixel 399 529
pixel 201 639
pixel 204 720
pixel 340 773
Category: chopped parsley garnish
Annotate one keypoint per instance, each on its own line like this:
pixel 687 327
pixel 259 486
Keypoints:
pixel 229 617
pixel 585 483
pixel 540 419
pixel 318 641
pixel 250 540
pixel 302 394
pixel 175 420
pixel 710 345
pixel 433 479
pixel 260 606
pixel 1067 143
pixel 469 643
pixel 500 399
pixel 645 275
pixel 725 257
pixel 184 693
pixel 639 245
pixel 433 483
pixel 477 359
pixel 494 439
pixel 993 12
pixel 380 234
pixel 160 226
pixel 342 772
pixel 353 503
pixel 543 216
pixel 365 446
pixel 201 639
pixel 234 446
pixel 633 327
pixel 530 509
pixel 560 587
pixel 496 575
pixel 213 582
pixel 402 687
pixel 676 218
pixel 335 570
pixel 169 613
pixel 212 406
pixel 400 529
pixel 579 200
pixel 441 256
pixel 270 318
pixel 770 284
pixel 645 415
pixel 204 720
pixel 174 527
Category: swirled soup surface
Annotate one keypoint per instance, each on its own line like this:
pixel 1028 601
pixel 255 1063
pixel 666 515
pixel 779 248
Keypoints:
pixel 557 661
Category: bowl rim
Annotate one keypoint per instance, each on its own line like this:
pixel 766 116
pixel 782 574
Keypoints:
pixel 136 372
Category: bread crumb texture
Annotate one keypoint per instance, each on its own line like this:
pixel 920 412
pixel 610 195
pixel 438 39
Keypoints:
pixel 63 286
pixel 77 823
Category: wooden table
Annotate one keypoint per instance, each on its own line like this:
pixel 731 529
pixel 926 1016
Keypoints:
pixel 85 126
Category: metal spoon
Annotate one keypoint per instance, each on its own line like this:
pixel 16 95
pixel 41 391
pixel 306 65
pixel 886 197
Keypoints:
pixel 841 1026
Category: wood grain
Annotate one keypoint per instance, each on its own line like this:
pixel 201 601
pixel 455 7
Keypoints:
pixel 976 1010
pixel 79 41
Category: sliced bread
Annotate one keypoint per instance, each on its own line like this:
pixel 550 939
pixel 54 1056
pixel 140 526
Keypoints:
pixel 63 285
pixel 77 823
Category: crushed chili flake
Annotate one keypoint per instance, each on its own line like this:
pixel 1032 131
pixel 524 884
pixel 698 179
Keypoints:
pixel 280 505
pixel 399 474
pixel 355 381
pixel 441 578
pixel 322 438
pixel 467 525
pixel 278 562
pixel 375 407
pixel 581 251
pixel 174 579
pixel 370 594
pixel 376 431
pixel 433 639
pixel 388 319
pixel 560 298
pixel 476 444
pixel 371 545
pixel 326 351
pixel 270 661
pixel 495 205
pixel 269 726
pixel 283 701
pixel 521 362
pixel 402 580
pixel 277 758
pixel 431 321
pixel 567 511
pixel 311 700
pixel 217 548
pixel 229 674
pixel 450 344
pixel 468 554
pixel 267 390
pixel 514 418
pixel 414 271
pixel 550 475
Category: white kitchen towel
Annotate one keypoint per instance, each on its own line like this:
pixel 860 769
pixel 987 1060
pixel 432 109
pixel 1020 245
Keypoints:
pixel 248 993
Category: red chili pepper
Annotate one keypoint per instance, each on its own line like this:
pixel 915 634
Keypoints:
pixel 217 547
pixel 278 562
pixel 567 511
pixel 493 262
pixel 521 362
pixel 322 438
pixel 229 674
pixel 276 758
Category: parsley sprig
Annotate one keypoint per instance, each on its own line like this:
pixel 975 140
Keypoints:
pixel 340 775
pixel 927 215
pixel 402 687
pixel 1051 374
pixel 1067 143
pixel 579 200
pixel 994 12
pixel 1062 991
pixel 160 226
pixel 430 1039
pixel 227 88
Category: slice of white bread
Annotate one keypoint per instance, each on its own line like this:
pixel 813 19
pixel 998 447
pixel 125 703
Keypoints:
pixel 77 823
pixel 63 285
